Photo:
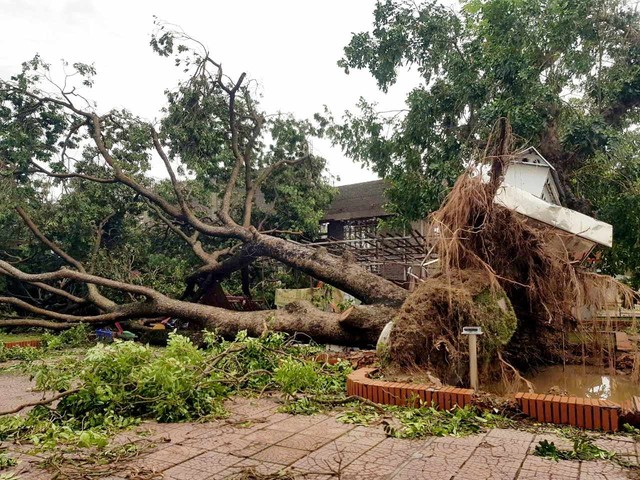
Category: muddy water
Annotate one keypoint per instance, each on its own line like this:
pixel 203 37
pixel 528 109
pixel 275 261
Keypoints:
pixel 585 381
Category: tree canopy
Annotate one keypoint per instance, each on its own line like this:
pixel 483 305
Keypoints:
pixel 566 74
pixel 80 203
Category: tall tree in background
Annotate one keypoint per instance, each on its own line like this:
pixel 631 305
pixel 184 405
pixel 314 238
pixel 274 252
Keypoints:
pixel 566 74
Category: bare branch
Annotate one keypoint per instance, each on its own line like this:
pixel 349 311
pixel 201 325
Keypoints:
pixel 39 169
pixel 98 241
pixel 94 295
pixel 240 160
pixel 54 290
pixel 172 175
pixel 65 273
pixel 45 401
pixel 105 317
pixel 266 173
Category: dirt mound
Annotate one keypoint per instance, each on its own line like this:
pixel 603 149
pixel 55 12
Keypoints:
pixel 427 331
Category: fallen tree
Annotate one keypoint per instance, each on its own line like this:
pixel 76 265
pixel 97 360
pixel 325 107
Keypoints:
pixel 228 139
pixel 212 128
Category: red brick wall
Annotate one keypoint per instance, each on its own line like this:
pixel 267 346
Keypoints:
pixel 404 394
pixel 24 343
pixel 579 412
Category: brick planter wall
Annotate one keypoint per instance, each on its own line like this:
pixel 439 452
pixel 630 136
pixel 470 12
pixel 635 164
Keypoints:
pixel 404 394
pixel 586 413
pixel 24 343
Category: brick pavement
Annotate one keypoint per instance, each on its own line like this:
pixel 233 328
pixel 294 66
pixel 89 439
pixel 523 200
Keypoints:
pixel 256 437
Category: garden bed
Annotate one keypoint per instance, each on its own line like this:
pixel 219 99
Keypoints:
pixel 590 414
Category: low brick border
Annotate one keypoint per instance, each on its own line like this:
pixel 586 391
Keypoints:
pixel 24 343
pixel 405 394
pixel 588 413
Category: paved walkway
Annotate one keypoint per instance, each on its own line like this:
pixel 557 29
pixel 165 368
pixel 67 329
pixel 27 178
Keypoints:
pixel 257 439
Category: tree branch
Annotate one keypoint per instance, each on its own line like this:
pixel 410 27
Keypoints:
pixel 172 175
pixel 104 317
pixel 65 273
pixel 251 193
pixel 94 295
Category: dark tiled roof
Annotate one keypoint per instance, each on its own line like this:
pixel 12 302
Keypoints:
pixel 359 200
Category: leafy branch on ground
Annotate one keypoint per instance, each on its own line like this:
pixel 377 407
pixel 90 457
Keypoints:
pixel 6 461
pixel 583 449
pixel 425 420
pixel 116 386
pixel 75 337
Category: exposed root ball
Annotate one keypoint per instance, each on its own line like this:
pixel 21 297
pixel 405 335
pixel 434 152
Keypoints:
pixel 427 331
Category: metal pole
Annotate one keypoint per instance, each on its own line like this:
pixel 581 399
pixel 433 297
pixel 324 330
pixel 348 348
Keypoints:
pixel 473 362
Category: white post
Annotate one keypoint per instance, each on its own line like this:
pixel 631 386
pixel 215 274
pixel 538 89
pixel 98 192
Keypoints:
pixel 472 333
pixel 473 362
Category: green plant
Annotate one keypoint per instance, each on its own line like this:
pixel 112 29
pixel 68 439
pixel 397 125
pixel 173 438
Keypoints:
pixel 19 353
pixel 301 406
pixel 583 449
pixel 6 461
pixel 76 336
pixel 115 386
pixel 428 421
pixel 359 415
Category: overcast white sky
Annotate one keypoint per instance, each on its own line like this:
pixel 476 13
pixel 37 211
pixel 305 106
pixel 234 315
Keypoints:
pixel 289 46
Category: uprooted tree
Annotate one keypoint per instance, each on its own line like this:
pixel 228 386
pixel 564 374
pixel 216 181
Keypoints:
pixel 89 171
pixel 62 158
pixel 511 275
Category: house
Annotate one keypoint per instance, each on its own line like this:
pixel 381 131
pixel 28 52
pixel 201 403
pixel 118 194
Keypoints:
pixel 530 188
pixel 530 171
pixel 355 211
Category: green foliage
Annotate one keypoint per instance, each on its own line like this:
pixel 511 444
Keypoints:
pixel 428 421
pixel 359 414
pixel 293 376
pixel 76 336
pixel 564 73
pixel 583 449
pixel 611 181
pixel 19 353
pixel 301 406
pixel 121 383
pixel 6 461
pixel 136 246
pixel 401 422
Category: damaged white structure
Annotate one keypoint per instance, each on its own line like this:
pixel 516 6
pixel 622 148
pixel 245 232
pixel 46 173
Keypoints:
pixel 531 188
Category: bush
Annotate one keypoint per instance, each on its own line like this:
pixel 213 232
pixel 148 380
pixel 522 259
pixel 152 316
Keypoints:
pixel 19 353
pixel 121 383
pixel 76 336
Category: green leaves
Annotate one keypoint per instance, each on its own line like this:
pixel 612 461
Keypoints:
pixel 583 449
pixel 565 73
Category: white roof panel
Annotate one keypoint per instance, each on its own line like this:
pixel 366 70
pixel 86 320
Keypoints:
pixel 557 216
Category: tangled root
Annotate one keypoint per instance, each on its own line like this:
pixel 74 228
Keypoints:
pixel 427 331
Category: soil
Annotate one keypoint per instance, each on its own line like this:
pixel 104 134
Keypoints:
pixel 416 376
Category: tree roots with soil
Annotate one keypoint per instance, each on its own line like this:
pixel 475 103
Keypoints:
pixel 494 263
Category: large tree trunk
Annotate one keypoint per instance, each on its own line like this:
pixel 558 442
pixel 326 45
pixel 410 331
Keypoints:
pixel 337 271
pixel 358 326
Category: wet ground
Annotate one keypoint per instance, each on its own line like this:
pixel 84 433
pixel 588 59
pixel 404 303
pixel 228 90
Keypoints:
pixel 255 438
pixel 579 381
pixel 586 381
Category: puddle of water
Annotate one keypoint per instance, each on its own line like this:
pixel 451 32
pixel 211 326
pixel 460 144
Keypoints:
pixel 585 381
